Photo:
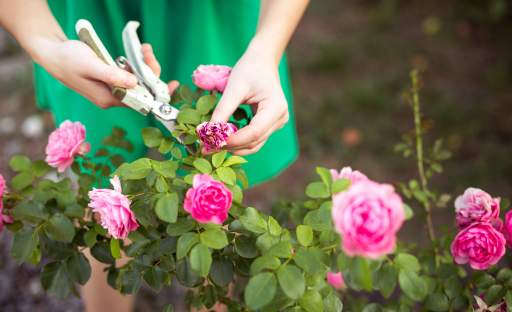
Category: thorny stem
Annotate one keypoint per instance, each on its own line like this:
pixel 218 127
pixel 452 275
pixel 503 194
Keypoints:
pixel 419 152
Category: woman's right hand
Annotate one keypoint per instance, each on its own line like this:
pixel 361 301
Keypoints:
pixel 77 66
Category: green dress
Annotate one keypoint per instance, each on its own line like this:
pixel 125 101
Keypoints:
pixel 184 34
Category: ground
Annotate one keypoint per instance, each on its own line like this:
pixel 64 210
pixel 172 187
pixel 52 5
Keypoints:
pixel 349 62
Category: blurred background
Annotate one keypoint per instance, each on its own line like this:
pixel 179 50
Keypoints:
pixel 350 63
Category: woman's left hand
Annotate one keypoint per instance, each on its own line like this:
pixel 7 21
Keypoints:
pixel 254 80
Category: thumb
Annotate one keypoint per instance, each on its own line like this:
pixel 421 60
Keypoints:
pixel 229 102
pixel 111 75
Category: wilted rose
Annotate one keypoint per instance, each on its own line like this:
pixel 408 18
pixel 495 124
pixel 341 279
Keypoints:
pixel 211 77
pixel 114 210
pixel 213 135
pixel 65 143
pixel 479 244
pixel 208 200
pixel 3 218
pixel 368 216
pixel 475 205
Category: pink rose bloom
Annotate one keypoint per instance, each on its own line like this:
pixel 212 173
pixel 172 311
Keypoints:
pixel 65 143
pixel 208 200
pixel 114 210
pixel 349 174
pixel 3 218
pixel 368 216
pixel 476 205
pixel 507 227
pixel 211 77
pixel 480 244
pixel 336 280
pixel 213 135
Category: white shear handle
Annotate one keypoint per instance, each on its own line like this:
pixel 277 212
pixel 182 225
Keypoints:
pixel 133 50
pixel 88 35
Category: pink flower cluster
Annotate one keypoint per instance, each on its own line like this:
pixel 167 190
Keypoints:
pixel 114 210
pixel 211 77
pixel 3 218
pixel 480 241
pixel 65 143
pixel 213 135
pixel 208 200
pixel 367 216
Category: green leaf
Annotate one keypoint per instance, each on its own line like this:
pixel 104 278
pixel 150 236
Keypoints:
pixel 214 238
pixel 253 221
pixel 291 280
pixel 222 272
pixel 412 285
pixel 74 211
pixel 218 158
pixel 494 294
pixel 55 280
pixel 79 268
pixel 386 280
pixel 273 226
pixel 90 238
pixel 245 247
pixel 136 170
pixel 185 275
pixel 234 160
pixel 166 207
pixel 312 301
pixel 154 277
pixel 226 175
pixel 437 302
pixel 22 180
pixel 185 93
pixel 332 303
pixel 201 259
pixel 310 260
pixel 319 219
pixel 101 251
pixel 304 235
pixel 181 226
pixel 407 262
pixel 281 250
pixel 326 176
pixel 24 243
pixel 115 249
pixel 362 273
pixel 203 165
pixel 508 300
pixel 20 163
pixel 205 103
pixel 265 262
pixel 260 290
pixel 30 211
pixel 166 168
pixel 185 243
pixel 189 116
pixel 152 137
pixel 60 228
pixel 340 185
pixel 317 190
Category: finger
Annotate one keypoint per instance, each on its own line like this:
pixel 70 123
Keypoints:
pixel 150 59
pixel 278 125
pixel 264 120
pixel 111 75
pixel 173 85
pixel 99 94
pixel 229 102
pixel 248 151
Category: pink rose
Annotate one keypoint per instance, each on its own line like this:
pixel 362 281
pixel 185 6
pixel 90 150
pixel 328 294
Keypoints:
pixel 208 200
pixel 114 210
pixel 507 227
pixel 3 218
pixel 349 174
pixel 336 280
pixel 65 143
pixel 480 244
pixel 213 135
pixel 368 216
pixel 211 77
pixel 476 205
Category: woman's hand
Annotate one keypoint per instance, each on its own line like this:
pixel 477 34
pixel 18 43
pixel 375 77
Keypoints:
pixel 254 80
pixel 77 66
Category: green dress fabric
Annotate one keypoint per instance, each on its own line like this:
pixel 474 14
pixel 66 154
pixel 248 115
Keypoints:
pixel 184 34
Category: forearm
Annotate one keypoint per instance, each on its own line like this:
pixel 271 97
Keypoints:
pixel 32 24
pixel 277 22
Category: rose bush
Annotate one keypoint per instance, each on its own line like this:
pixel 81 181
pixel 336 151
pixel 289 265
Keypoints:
pixel 184 217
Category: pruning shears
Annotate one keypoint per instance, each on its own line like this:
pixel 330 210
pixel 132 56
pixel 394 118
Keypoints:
pixel 151 95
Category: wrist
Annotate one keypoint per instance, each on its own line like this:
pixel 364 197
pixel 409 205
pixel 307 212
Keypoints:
pixel 264 50
pixel 39 47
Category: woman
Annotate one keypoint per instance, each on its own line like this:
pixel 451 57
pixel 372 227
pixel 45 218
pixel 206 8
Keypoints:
pixel 246 34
